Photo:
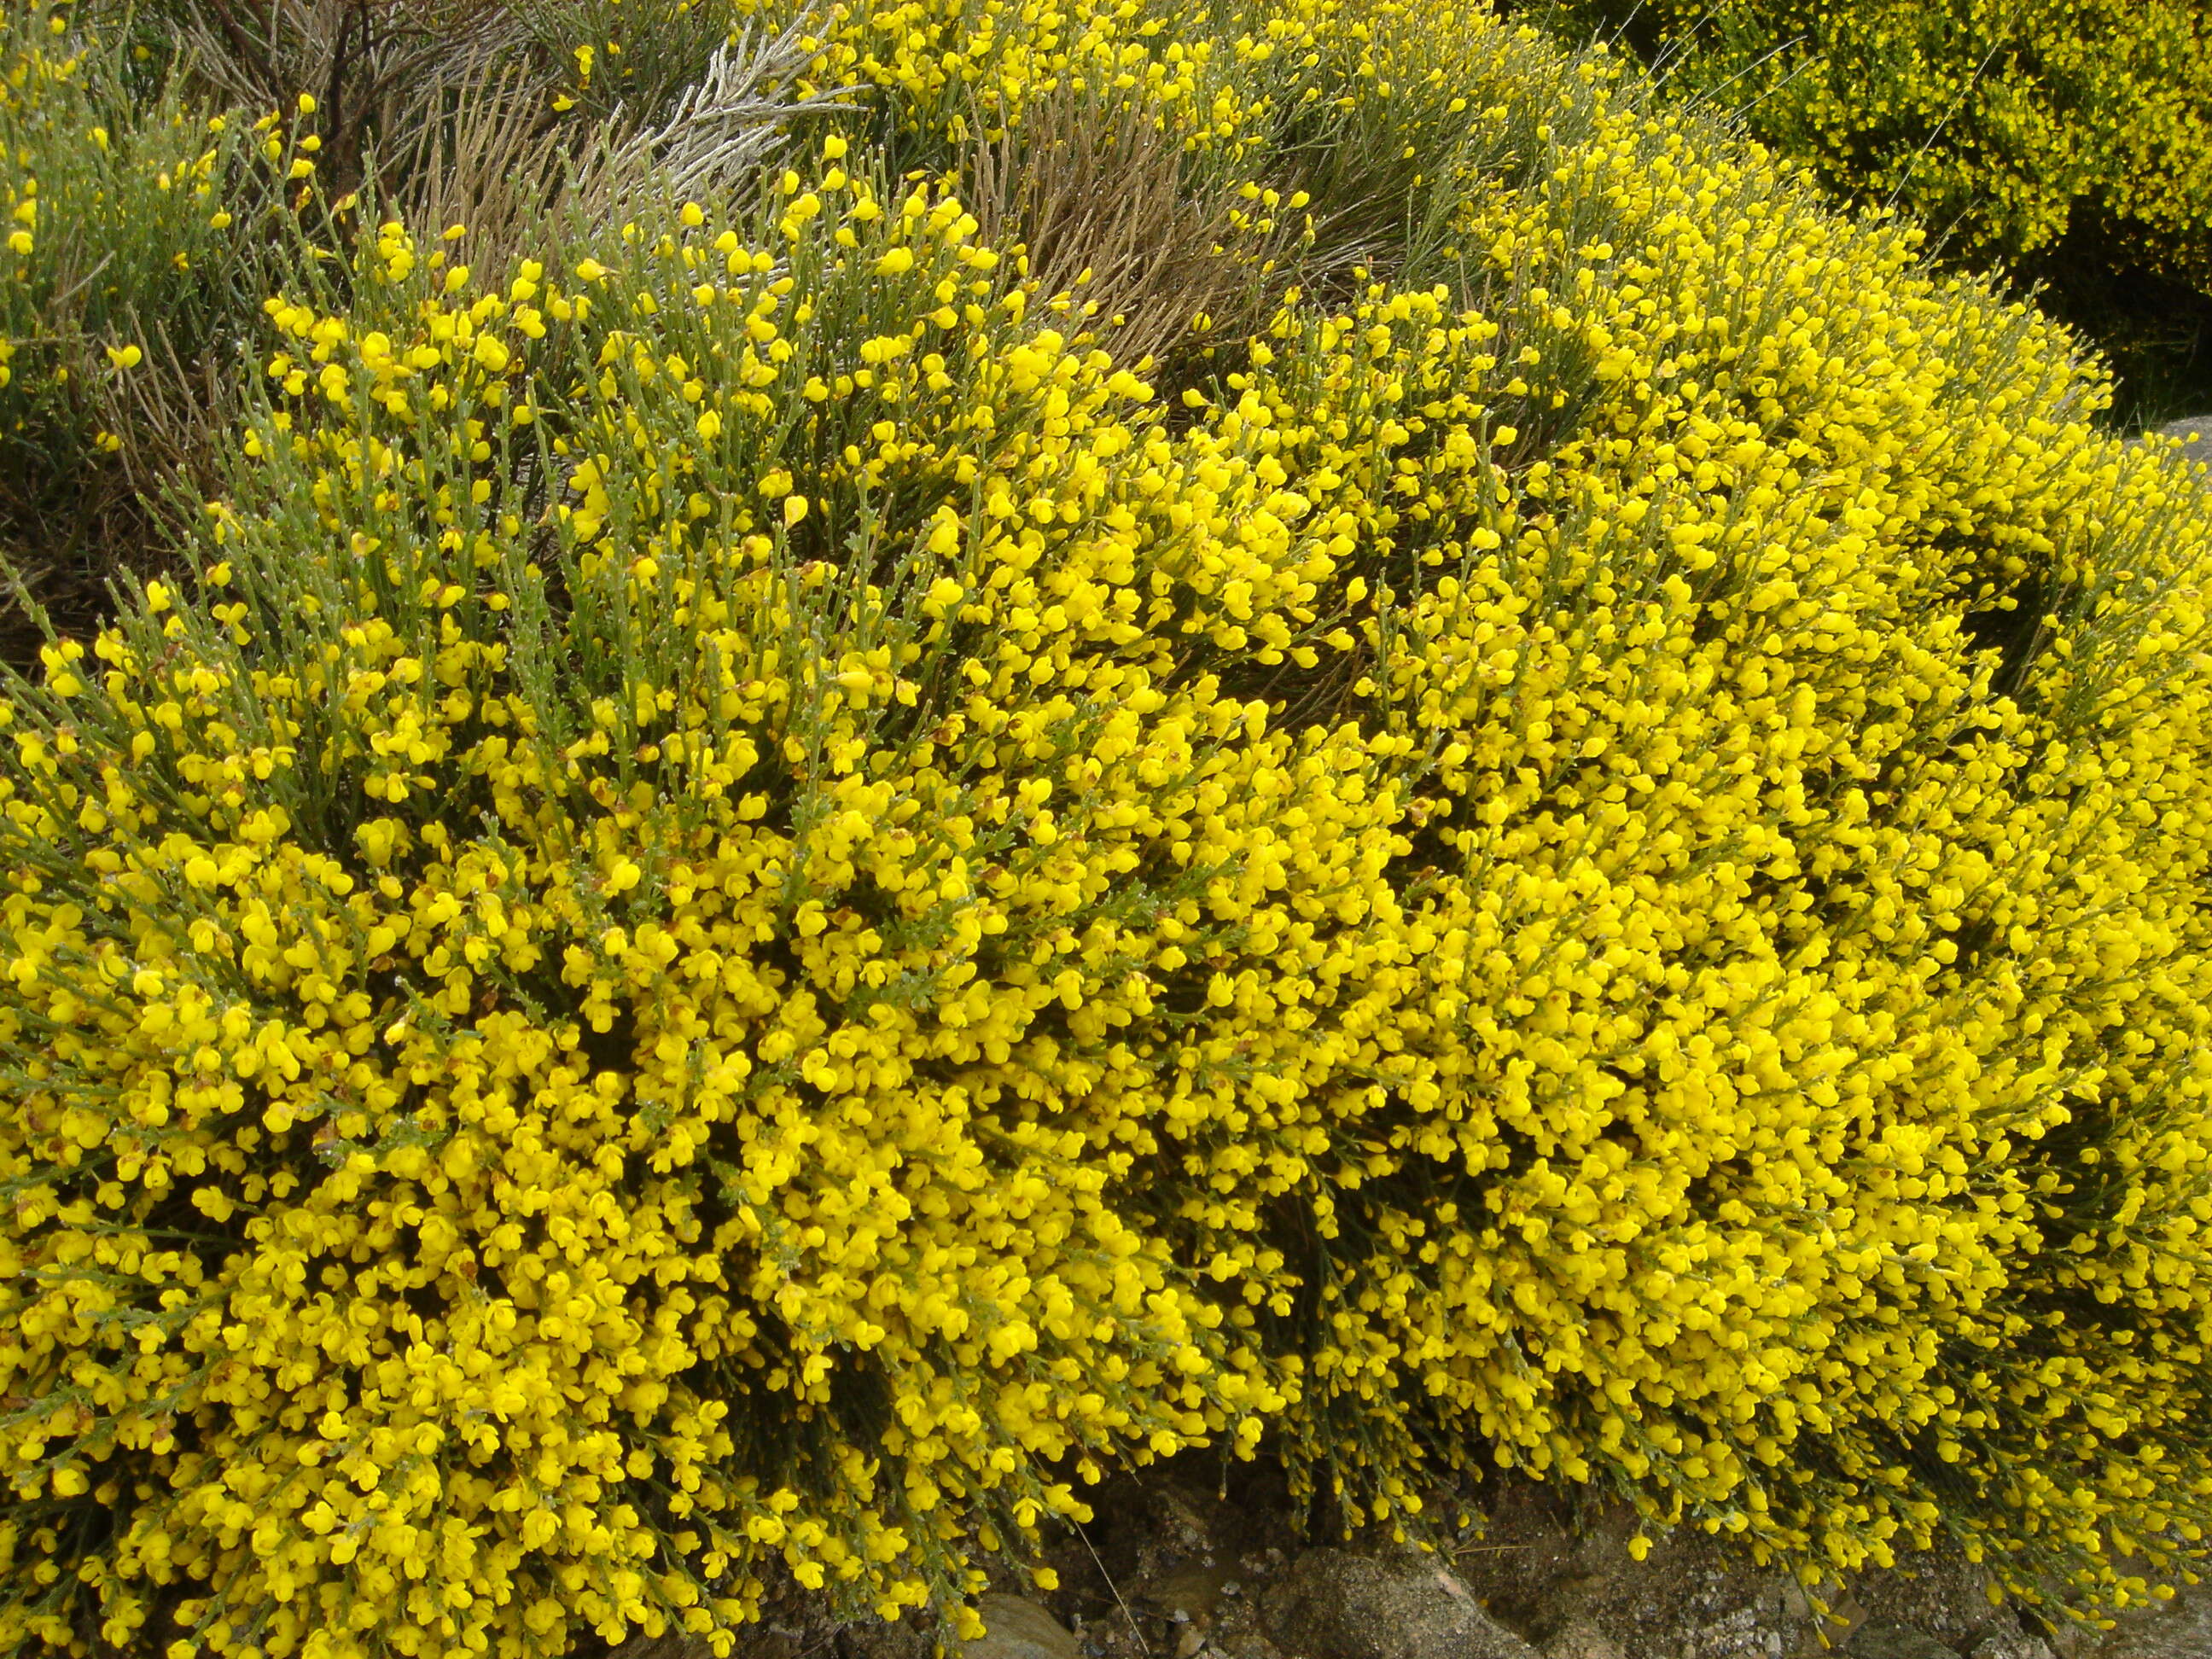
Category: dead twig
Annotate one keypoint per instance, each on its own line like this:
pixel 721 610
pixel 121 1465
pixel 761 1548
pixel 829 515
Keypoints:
pixel 1115 1589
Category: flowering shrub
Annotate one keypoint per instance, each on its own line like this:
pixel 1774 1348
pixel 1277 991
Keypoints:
pixel 2013 122
pixel 752 912
pixel 163 175
pixel 116 210
pixel 2067 137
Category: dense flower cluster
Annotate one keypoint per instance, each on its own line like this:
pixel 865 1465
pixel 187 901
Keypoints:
pixel 754 912
pixel 2018 125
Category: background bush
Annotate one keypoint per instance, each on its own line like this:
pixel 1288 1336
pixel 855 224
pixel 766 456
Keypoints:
pixel 2065 139
pixel 140 232
pixel 749 911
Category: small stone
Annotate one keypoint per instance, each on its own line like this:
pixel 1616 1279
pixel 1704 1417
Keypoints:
pixel 1191 1592
pixel 1335 1605
pixel 1190 1641
pixel 1897 1642
pixel 673 1647
pixel 1844 1616
pixel 2009 1644
pixel 1015 1627
pixel 1578 1638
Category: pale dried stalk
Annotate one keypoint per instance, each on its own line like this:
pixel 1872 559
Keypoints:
pixel 716 143
pixel 1095 194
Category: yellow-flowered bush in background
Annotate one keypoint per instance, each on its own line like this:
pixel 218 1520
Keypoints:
pixel 2064 137
pixel 752 912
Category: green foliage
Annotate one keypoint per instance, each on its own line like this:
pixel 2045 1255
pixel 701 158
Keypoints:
pixel 749 911
pixel 139 244
pixel 2070 139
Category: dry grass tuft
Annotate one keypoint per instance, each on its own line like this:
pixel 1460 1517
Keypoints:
pixel 370 64
pixel 172 425
pixel 485 153
pixel 713 143
pixel 489 152
pixel 1096 193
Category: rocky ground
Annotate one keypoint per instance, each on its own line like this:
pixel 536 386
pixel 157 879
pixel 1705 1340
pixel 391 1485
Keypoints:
pixel 1169 1569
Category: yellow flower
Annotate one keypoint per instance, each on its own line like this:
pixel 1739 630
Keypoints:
pixel 1482 884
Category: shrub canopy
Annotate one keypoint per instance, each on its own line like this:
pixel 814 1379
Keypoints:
pixel 750 911
pixel 2065 139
